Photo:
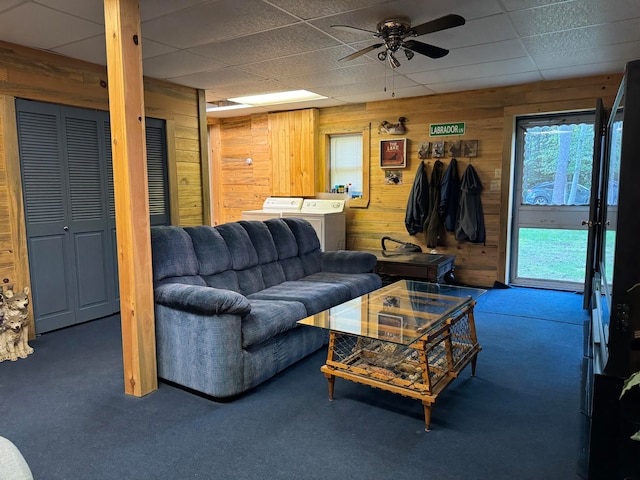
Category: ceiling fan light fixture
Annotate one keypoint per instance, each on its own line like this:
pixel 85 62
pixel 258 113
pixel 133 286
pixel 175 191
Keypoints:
pixel 409 54
pixel 393 61
pixel 382 56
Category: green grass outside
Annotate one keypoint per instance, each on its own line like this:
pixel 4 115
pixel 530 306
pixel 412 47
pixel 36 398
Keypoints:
pixel 553 254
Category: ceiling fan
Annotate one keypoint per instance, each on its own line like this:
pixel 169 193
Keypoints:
pixel 397 33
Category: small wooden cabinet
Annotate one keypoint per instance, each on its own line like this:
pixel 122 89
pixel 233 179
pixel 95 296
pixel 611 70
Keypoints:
pixel 293 147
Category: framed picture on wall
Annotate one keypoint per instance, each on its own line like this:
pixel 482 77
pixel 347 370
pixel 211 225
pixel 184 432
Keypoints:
pixel 393 153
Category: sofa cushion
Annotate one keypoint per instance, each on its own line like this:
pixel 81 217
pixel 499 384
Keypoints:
pixel 315 296
pixel 268 319
pixel 272 272
pixel 358 284
pixel 173 254
pixel 243 254
pixel 210 248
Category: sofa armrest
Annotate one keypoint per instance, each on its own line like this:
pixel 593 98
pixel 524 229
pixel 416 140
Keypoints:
pixel 348 261
pixel 202 300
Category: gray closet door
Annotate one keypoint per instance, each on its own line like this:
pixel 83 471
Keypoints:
pixel 64 185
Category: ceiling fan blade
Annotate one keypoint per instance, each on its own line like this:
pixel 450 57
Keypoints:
pixel 425 49
pixel 442 23
pixel 350 29
pixel 362 52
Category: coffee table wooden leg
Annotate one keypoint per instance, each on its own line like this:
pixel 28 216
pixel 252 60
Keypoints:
pixel 331 379
pixel 427 416
pixel 473 365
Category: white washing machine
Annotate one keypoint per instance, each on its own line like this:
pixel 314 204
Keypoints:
pixel 328 218
pixel 274 207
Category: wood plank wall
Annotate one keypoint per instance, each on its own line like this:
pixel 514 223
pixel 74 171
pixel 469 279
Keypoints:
pixel 46 77
pixel 489 115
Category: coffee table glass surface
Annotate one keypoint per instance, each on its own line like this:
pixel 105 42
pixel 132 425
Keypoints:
pixel 398 313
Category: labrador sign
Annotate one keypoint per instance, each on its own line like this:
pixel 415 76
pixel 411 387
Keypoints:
pixel 443 129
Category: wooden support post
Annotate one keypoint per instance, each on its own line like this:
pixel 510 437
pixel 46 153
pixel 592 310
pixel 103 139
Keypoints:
pixel 126 106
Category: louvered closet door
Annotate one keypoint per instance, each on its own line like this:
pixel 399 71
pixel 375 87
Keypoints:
pixel 65 191
pixel 88 224
pixel 45 194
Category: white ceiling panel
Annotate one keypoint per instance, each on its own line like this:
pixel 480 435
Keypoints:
pixel 279 42
pixel 602 68
pixel 487 52
pixel 216 21
pixel 92 10
pixel 578 38
pixel 47 28
pixel 486 82
pixel 573 14
pixel 212 80
pixel 323 8
pixel 477 71
pixel 237 47
pixel 177 64
pixel 586 56
pixel 91 50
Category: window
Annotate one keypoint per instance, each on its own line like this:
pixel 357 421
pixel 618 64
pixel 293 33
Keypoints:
pixel 345 162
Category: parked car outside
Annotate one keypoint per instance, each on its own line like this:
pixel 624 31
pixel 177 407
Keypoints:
pixel 542 194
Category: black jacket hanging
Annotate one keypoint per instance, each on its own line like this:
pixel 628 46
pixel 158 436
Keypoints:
pixel 418 203
pixel 450 195
pixel 470 219
pixel 434 228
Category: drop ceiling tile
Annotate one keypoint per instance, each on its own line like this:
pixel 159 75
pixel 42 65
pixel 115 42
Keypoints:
pixel 214 22
pixel 150 9
pixel 304 63
pixel 316 9
pixel 602 68
pixel 390 94
pixel 253 86
pixel 377 84
pixel 338 76
pixel 92 10
pixel 215 79
pixel 477 71
pixel 416 12
pixel 9 4
pixel 487 82
pixel 574 14
pixel 494 28
pixel 587 56
pixel 279 42
pixel 90 50
pixel 487 52
pixel 178 64
pixel 47 28
pixel 511 5
pixel 585 37
pixel 153 49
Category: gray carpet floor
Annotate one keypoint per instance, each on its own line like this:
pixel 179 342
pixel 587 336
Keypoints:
pixel 518 418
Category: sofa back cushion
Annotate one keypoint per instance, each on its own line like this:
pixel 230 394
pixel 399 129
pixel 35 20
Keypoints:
pixel 308 244
pixel 244 258
pixel 272 273
pixel 214 257
pixel 173 257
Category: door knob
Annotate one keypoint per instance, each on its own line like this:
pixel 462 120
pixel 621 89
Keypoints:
pixel 65 228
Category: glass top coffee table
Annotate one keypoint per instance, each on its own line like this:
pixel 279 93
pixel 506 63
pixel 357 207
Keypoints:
pixel 410 338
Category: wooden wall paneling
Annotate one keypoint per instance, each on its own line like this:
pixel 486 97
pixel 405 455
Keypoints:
pixel 215 172
pixel 292 146
pixel 15 260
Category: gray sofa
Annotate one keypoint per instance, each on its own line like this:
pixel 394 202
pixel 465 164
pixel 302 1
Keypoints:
pixel 227 299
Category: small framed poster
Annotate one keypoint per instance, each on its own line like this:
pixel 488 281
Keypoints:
pixel 393 153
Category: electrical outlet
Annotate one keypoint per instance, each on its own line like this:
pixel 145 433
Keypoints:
pixel 498 173
pixel 495 185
